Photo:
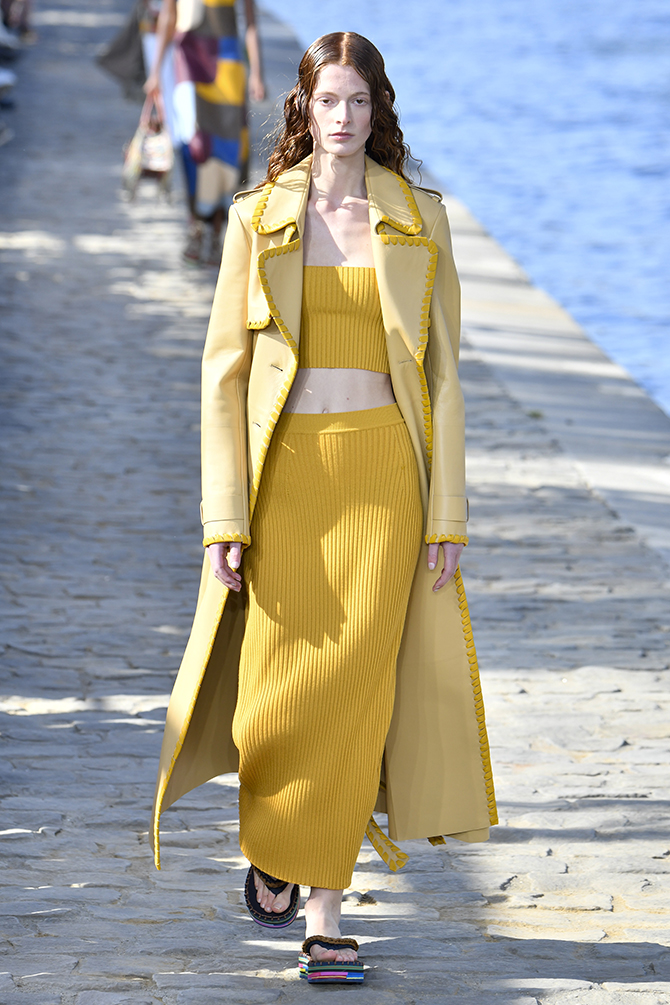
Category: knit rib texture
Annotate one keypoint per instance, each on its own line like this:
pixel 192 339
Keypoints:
pixel 341 323
pixel 336 536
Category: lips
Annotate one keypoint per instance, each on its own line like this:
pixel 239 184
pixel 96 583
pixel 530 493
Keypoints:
pixel 341 136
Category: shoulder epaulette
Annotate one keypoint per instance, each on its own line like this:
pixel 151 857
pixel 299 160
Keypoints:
pixel 430 191
pixel 246 193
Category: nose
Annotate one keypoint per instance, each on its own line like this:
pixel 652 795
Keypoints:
pixel 342 112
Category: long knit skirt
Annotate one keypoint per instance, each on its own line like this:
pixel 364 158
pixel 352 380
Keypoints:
pixel 335 539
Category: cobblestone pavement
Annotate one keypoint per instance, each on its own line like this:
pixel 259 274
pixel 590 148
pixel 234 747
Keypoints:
pixel 102 331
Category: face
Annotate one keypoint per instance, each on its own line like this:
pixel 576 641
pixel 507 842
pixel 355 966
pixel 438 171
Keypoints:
pixel 340 111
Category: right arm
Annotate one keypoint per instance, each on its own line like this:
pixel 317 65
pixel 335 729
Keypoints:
pixel 165 27
pixel 225 377
pixel 256 85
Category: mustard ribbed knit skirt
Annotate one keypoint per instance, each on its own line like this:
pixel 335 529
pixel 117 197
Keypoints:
pixel 335 540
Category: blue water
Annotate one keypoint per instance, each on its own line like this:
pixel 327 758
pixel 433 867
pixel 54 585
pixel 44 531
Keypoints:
pixel 551 120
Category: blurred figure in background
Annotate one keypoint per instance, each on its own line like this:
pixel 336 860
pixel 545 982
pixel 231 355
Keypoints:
pixel 14 33
pixel 206 108
pixel 7 83
pixel 16 16
pixel 148 15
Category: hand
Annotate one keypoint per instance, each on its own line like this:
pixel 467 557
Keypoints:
pixel 256 87
pixel 152 86
pixel 452 553
pixel 225 559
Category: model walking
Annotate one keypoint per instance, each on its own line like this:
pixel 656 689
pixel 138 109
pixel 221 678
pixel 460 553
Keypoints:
pixel 206 107
pixel 335 657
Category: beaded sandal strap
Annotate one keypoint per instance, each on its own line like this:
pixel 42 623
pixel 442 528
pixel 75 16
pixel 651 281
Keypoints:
pixel 276 885
pixel 326 942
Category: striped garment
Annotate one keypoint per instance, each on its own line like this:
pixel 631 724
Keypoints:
pixel 329 973
pixel 210 105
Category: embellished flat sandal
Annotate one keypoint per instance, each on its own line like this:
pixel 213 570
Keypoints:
pixel 329 973
pixel 270 919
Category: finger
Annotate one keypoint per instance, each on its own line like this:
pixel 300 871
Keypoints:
pixel 433 555
pixel 229 578
pixel 232 559
pixel 451 557
pixel 217 554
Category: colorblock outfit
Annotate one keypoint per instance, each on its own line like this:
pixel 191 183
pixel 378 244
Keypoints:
pixel 337 681
pixel 209 105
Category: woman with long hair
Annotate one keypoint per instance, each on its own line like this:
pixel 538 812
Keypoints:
pixel 331 658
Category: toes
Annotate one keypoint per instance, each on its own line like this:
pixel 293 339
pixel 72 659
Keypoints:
pixel 263 895
pixel 282 900
pixel 270 902
pixel 279 904
pixel 320 955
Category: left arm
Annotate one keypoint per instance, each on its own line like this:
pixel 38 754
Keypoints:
pixel 447 505
pixel 256 85
pixel 165 28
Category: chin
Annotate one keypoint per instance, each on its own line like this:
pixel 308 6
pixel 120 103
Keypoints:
pixel 344 148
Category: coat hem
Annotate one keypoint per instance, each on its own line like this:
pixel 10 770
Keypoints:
pixel 162 789
pixel 478 698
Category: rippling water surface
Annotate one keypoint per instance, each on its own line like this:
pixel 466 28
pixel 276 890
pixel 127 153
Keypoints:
pixel 551 120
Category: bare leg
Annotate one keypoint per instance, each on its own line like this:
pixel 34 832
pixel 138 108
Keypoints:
pixel 215 248
pixel 322 917
pixel 218 220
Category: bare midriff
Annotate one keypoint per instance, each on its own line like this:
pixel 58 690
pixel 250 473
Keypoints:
pixel 319 391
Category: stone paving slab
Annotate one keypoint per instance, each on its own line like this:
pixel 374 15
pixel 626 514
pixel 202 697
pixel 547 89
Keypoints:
pixel 102 330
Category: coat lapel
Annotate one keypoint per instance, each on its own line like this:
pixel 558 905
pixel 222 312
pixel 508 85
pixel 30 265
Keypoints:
pixel 279 220
pixel 404 260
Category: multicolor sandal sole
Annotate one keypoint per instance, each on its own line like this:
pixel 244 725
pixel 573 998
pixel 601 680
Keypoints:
pixel 329 973
pixel 266 919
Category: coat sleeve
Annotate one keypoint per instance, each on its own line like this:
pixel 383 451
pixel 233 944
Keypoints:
pixel 225 376
pixel 447 505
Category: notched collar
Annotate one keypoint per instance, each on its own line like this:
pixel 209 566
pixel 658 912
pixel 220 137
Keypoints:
pixel 391 200
pixel 283 203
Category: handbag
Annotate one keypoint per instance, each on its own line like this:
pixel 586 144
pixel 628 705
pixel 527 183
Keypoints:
pixel 123 57
pixel 149 153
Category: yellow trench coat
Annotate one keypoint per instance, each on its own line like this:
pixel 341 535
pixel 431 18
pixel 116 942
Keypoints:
pixel 437 770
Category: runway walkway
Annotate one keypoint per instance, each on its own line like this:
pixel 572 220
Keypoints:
pixel 567 575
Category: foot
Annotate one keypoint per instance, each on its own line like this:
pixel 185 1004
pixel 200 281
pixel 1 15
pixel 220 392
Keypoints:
pixel 193 250
pixel 322 917
pixel 271 902
pixel 215 249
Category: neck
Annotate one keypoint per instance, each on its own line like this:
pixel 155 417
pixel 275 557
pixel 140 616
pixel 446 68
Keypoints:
pixel 338 178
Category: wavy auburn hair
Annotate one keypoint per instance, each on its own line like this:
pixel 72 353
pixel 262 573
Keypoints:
pixel 344 48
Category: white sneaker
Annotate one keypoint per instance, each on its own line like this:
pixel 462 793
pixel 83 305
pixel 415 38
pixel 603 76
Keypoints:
pixel 8 41
pixel 7 81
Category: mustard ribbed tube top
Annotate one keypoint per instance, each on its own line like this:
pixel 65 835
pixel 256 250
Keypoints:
pixel 342 324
